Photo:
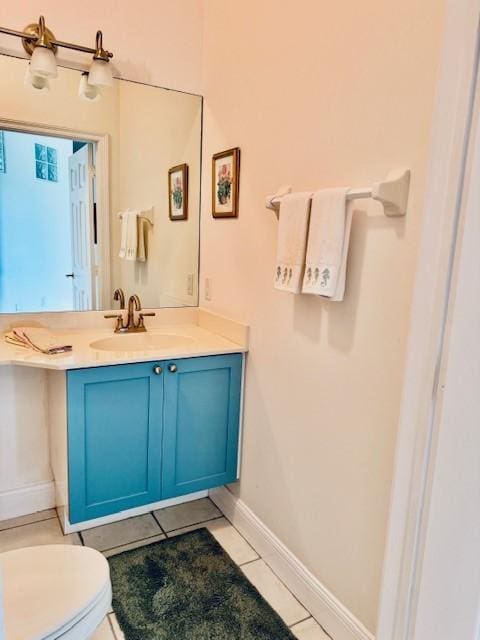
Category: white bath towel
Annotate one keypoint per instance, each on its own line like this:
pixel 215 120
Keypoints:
pixel 129 235
pixel 292 241
pixel 328 240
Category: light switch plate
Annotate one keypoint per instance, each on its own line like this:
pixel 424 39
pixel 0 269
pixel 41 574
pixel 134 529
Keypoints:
pixel 208 289
pixel 190 284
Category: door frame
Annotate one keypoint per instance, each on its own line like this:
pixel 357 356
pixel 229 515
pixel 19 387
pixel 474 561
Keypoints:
pixel 417 461
pixel 102 175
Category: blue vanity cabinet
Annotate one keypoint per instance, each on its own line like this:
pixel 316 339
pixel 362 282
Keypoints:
pixel 115 417
pixel 201 423
pixel 141 433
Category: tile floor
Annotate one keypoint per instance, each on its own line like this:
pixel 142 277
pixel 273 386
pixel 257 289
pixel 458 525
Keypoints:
pixel 44 528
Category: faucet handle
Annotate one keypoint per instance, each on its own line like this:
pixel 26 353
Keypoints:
pixel 119 318
pixel 141 316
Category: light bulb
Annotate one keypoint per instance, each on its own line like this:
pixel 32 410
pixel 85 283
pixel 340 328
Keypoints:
pixel 43 62
pixel 40 83
pixel 87 91
pixel 100 74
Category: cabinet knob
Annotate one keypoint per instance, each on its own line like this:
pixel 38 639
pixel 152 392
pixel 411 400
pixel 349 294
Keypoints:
pixel 157 370
pixel 172 368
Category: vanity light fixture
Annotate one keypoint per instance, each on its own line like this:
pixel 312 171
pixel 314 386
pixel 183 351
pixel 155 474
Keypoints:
pixel 100 73
pixel 88 91
pixel 40 43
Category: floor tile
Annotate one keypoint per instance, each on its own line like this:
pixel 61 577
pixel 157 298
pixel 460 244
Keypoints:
pixel 228 537
pixel 186 514
pixel 104 631
pixel 275 592
pixel 116 627
pixel 32 517
pixel 234 544
pixel 122 532
pixel 133 545
pixel 309 630
pixel 28 535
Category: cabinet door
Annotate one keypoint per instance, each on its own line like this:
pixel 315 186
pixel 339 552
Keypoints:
pixel 114 439
pixel 201 423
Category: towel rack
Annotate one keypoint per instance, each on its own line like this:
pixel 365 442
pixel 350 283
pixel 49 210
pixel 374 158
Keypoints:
pixel 391 192
pixel 142 217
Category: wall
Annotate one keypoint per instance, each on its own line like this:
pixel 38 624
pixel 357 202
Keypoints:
pixel 164 49
pixel 157 41
pixel 34 224
pixel 158 130
pixel 320 95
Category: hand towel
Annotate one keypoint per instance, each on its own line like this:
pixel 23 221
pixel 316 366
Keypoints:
pixel 129 236
pixel 292 241
pixel 37 339
pixel 144 224
pixel 328 240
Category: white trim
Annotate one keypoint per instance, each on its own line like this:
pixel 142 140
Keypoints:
pixel 337 620
pixel 102 168
pixel 242 409
pixel 129 513
pixel 27 500
pixel 415 453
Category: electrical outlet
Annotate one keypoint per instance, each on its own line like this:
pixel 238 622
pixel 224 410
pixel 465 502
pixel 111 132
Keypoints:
pixel 208 289
pixel 190 284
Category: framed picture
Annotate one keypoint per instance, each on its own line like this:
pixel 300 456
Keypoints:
pixel 178 192
pixel 225 182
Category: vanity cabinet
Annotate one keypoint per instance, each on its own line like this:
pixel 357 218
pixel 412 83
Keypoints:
pixel 141 433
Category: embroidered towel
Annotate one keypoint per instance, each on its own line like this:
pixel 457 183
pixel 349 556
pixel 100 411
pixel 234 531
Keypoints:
pixel 292 241
pixel 129 236
pixel 328 240
pixel 37 339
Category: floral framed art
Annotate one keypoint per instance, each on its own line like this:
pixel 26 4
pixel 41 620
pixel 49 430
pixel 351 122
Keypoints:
pixel 225 183
pixel 178 192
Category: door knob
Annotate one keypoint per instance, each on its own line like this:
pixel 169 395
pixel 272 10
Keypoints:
pixel 69 275
pixel 172 368
pixel 157 370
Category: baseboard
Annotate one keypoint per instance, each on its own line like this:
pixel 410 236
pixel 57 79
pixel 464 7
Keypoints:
pixel 29 499
pixel 336 619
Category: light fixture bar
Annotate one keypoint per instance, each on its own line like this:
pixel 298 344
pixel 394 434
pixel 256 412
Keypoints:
pixel 32 38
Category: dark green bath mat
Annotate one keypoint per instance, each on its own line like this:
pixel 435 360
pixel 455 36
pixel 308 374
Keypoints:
pixel 188 588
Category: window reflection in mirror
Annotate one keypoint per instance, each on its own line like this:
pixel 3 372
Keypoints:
pixel 73 172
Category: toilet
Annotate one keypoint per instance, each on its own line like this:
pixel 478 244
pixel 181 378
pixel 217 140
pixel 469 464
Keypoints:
pixel 53 591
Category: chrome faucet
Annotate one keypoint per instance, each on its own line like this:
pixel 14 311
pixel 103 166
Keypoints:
pixel 131 326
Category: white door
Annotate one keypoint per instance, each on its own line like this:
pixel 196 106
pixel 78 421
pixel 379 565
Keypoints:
pixel 80 166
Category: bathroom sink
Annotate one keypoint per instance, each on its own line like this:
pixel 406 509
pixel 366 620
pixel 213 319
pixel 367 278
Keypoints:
pixel 141 342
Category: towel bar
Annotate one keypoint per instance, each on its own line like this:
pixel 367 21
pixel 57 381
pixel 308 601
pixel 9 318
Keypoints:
pixel 143 217
pixel 391 192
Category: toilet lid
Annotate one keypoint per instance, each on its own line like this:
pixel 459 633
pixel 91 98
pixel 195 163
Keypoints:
pixel 45 587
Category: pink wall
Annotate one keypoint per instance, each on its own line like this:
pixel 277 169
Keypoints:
pixel 320 94
pixel 154 41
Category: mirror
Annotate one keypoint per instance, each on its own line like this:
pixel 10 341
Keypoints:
pixel 97 195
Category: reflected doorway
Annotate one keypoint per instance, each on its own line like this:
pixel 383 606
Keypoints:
pixel 47 224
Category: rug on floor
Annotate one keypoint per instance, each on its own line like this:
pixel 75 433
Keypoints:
pixel 188 588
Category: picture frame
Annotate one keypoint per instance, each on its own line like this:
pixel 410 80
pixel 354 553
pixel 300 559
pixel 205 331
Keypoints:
pixel 225 183
pixel 178 192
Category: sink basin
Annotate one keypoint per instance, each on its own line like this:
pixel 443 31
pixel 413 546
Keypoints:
pixel 141 342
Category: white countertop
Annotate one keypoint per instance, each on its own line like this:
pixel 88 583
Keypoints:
pixel 201 342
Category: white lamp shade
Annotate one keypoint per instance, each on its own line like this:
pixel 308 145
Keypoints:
pixel 100 74
pixel 43 63
pixel 87 91
pixel 40 83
